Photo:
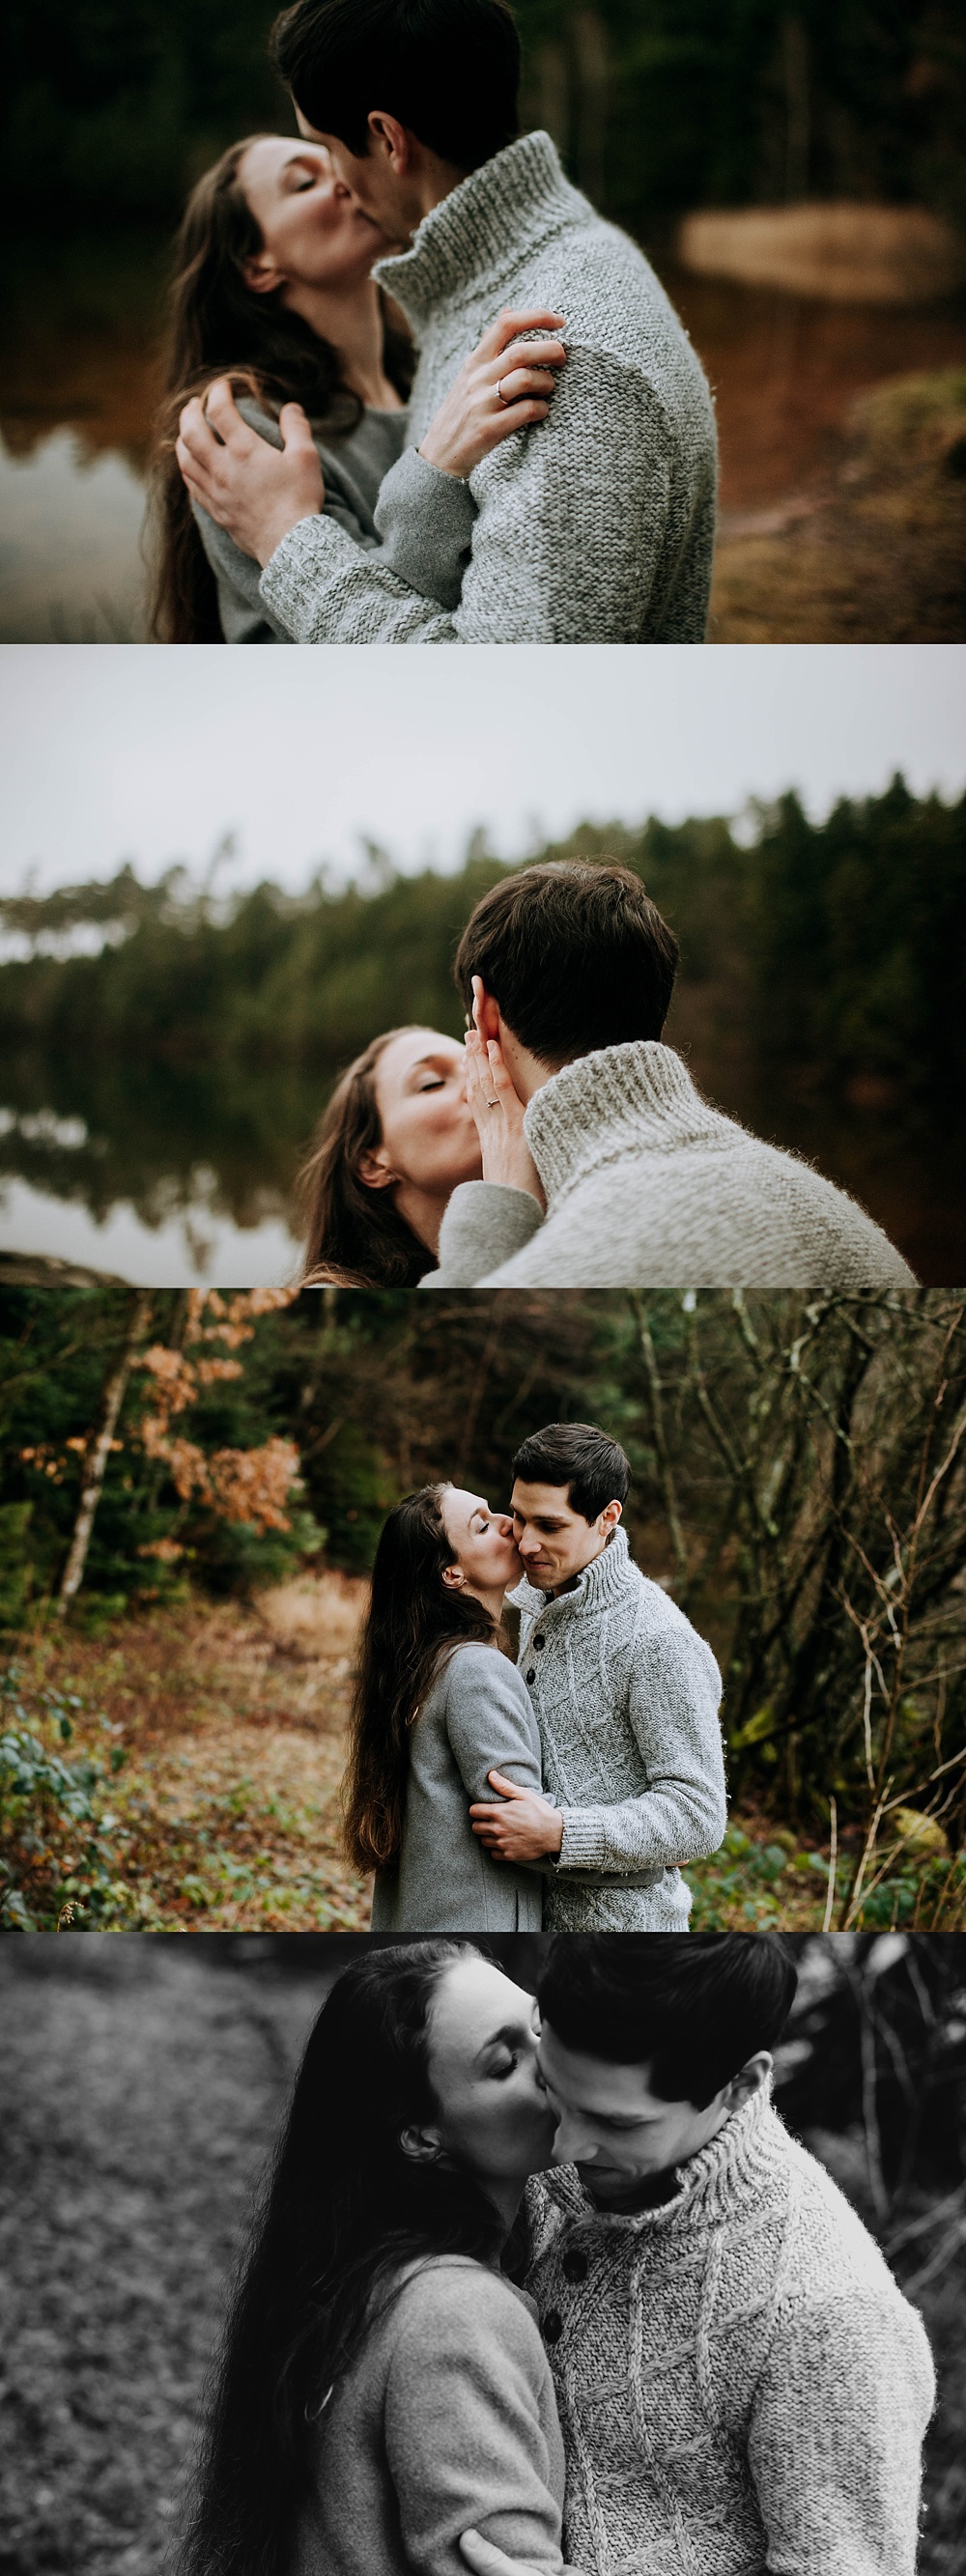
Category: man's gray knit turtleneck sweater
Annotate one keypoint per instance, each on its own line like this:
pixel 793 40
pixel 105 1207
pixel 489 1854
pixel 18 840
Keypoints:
pixel 647 1186
pixel 594 527
pixel 741 2385
pixel 626 1697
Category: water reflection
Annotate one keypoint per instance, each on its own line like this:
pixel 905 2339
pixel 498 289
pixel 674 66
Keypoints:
pixel 171 1178
pixel 79 382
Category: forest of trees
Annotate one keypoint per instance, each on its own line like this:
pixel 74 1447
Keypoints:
pixel 823 981
pixel 657 104
pixel 799 1482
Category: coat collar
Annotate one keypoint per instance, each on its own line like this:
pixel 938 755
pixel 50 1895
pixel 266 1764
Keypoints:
pixel 503 211
pixel 612 1102
pixel 600 1583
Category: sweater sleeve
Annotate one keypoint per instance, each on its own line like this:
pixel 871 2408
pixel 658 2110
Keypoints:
pixel 490 1721
pixel 835 2439
pixel 682 1814
pixel 565 549
pixel 485 1224
pixel 465 2445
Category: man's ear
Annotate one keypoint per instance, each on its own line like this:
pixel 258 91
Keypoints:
pixel 486 1012
pixel 423 2146
pixel 374 1168
pixel 609 1517
pixel 751 2078
pixel 393 140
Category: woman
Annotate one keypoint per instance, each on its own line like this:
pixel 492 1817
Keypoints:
pixel 437 1707
pixel 408 1122
pixel 382 2387
pixel 273 288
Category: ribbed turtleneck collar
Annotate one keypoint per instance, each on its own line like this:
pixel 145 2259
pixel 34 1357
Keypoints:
pixel 600 1583
pixel 735 2167
pixel 610 1103
pixel 501 210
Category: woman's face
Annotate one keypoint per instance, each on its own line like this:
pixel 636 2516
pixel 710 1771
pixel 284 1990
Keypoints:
pixel 482 1541
pixel 494 2117
pixel 313 232
pixel 429 1136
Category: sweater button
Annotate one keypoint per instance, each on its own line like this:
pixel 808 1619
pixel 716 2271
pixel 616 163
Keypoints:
pixel 539 1641
pixel 552 2326
pixel 531 1676
pixel 574 2266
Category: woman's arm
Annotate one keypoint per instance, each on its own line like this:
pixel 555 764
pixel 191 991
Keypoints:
pixel 469 2424
pixel 490 1720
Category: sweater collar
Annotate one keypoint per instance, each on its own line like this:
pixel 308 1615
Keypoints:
pixel 600 1583
pixel 614 1101
pixel 736 2168
pixel 503 210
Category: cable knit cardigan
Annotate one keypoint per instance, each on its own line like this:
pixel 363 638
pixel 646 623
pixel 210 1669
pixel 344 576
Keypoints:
pixel 741 2386
pixel 647 1186
pixel 626 1697
pixel 594 527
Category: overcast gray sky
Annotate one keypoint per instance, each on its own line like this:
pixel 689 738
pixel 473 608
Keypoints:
pixel 109 752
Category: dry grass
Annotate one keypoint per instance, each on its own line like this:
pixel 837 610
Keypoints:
pixel 872 550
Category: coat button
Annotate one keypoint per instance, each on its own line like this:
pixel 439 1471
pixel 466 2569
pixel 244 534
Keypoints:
pixel 574 2266
pixel 532 1674
pixel 552 2326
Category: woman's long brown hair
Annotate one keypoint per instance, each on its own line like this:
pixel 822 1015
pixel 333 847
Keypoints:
pixel 355 1237
pixel 413 1618
pixel 218 327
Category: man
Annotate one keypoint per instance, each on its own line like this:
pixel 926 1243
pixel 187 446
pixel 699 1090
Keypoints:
pixel 594 526
pixel 741 2386
pixel 568 970
pixel 626 1698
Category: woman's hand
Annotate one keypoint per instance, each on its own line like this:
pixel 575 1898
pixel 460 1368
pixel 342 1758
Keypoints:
pixel 245 484
pixel 499 1112
pixel 523 1827
pixel 498 390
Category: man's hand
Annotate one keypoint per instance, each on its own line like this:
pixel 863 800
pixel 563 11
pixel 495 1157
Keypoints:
pixel 244 483
pixel 523 1827
pixel 487 2560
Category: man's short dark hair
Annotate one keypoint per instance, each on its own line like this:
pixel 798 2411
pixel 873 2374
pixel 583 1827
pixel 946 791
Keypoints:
pixel 593 1468
pixel 448 69
pixel 691 2007
pixel 576 956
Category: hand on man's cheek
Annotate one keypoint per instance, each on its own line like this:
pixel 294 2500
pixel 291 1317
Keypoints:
pixel 256 493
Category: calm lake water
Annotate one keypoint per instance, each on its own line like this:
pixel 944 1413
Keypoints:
pixel 78 385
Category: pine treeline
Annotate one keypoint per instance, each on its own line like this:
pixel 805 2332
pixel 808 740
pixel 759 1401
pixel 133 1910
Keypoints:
pixel 656 104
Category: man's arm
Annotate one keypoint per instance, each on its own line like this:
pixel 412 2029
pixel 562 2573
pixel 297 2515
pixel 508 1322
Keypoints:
pixel 571 523
pixel 681 1816
pixel 835 2440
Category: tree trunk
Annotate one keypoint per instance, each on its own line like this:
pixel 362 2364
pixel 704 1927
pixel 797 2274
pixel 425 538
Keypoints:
pixel 98 1450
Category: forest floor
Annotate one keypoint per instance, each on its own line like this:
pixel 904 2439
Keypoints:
pixel 220 1733
pixel 143 2081
pixel 872 549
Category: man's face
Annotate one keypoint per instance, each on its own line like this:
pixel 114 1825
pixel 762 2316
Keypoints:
pixel 612 2127
pixel 383 195
pixel 555 1542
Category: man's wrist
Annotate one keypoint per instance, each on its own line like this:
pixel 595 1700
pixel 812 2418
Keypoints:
pixel 276 535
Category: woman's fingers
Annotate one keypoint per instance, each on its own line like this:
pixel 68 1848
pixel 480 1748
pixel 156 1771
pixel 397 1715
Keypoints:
pixel 509 325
